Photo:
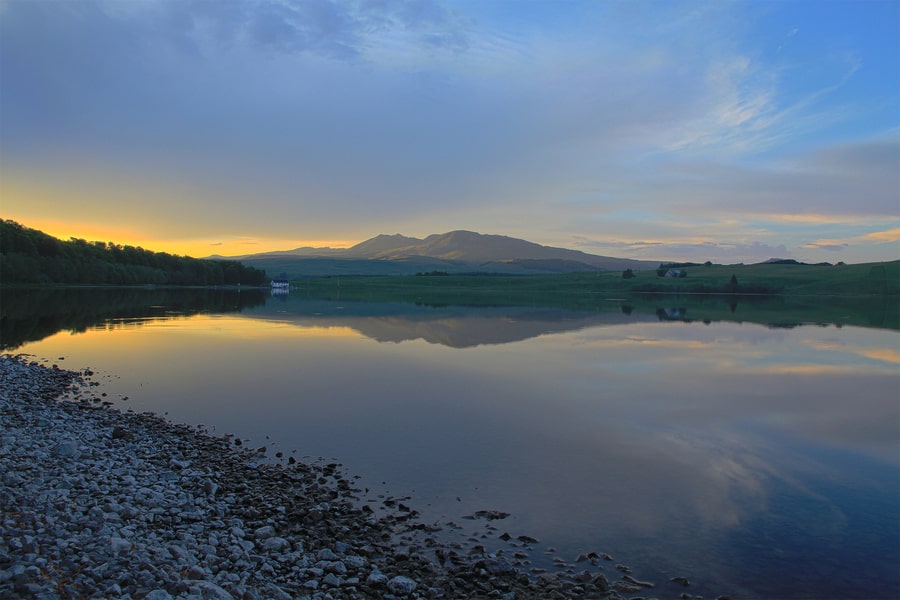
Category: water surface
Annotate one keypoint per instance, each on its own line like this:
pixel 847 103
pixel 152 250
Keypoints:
pixel 758 461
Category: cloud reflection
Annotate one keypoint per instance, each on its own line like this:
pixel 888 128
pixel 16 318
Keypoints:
pixel 662 442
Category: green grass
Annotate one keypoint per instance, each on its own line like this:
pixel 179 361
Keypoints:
pixel 865 294
pixel 861 279
pixel 868 279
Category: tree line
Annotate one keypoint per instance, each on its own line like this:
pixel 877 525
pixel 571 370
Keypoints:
pixel 31 256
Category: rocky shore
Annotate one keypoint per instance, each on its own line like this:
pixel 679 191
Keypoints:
pixel 99 503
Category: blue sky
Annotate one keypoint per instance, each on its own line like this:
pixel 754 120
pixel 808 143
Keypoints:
pixel 728 131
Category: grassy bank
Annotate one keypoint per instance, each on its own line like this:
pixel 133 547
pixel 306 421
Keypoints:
pixel 865 294
pixel 870 279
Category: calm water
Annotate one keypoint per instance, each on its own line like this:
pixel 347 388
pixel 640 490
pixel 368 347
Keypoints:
pixel 758 462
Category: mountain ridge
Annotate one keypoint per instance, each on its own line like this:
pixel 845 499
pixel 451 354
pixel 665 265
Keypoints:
pixel 454 251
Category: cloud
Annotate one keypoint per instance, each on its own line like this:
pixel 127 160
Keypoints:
pixel 859 179
pixel 586 242
pixel 342 30
pixel 831 247
pixel 672 249
pixel 888 236
pixel 550 121
pixel 740 105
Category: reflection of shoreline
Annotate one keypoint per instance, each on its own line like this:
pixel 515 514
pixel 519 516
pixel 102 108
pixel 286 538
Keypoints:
pixel 658 424
pixel 33 314
pixel 465 326
pixel 29 315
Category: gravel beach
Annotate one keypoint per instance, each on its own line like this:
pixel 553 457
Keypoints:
pixel 100 503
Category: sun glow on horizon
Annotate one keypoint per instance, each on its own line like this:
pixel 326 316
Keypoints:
pixel 196 247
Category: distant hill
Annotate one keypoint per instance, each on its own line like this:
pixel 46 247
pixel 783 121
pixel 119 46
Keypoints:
pixel 453 252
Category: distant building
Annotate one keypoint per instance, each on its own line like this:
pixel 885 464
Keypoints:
pixel 675 273
pixel 281 284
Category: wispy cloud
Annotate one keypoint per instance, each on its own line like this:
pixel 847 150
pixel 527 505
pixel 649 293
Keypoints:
pixel 830 246
pixel 748 110
pixel 888 236
pixel 675 249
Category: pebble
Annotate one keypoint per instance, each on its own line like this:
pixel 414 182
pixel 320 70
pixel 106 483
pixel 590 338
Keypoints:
pixel 95 502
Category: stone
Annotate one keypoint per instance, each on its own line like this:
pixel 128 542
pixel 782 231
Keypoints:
pixel 276 593
pixel 601 582
pixel 326 554
pixel 210 487
pixel 625 587
pixel 119 546
pixel 354 561
pixel 498 566
pixel 275 544
pixel 195 572
pixel 67 448
pixel 583 576
pixel 376 577
pixel 264 532
pixel 401 585
pixel 208 590
pixel 337 567
pixel 631 579
pixel 491 515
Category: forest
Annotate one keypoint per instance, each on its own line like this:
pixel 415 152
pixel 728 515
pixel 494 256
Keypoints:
pixel 29 256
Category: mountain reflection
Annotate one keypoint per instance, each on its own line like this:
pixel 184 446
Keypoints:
pixel 456 327
pixel 32 314
pixel 757 460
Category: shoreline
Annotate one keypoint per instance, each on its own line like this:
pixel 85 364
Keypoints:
pixel 97 502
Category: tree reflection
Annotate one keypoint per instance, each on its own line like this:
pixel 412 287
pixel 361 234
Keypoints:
pixel 28 315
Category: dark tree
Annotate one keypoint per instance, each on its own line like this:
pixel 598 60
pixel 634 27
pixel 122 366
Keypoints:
pixel 31 256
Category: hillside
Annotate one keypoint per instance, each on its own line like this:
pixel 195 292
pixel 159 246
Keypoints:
pixel 453 252
pixel 29 256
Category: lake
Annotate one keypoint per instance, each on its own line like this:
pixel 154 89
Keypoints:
pixel 757 460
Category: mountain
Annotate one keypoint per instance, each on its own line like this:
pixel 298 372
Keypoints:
pixel 381 244
pixel 454 252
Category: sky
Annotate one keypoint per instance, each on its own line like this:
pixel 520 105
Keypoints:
pixel 664 130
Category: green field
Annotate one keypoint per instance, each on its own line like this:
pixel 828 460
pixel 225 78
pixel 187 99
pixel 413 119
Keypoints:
pixel 782 279
pixel 865 294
